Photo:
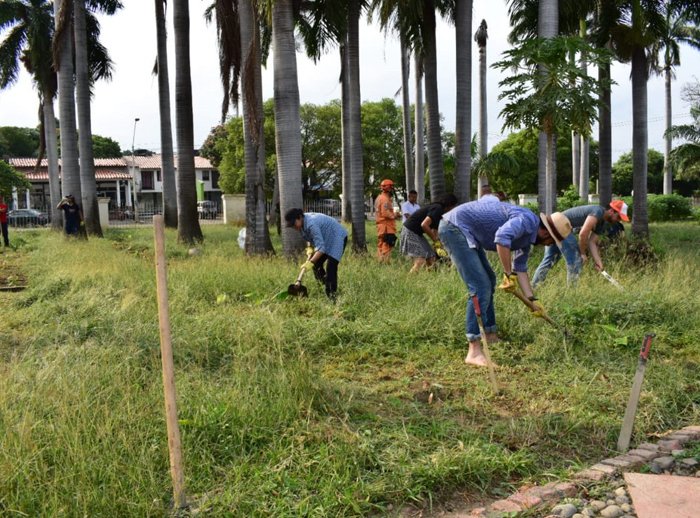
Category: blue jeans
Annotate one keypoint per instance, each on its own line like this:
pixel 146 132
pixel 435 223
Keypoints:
pixel 476 272
pixel 552 254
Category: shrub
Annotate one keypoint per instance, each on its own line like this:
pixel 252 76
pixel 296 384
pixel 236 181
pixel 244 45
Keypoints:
pixel 570 198
pixel 665 207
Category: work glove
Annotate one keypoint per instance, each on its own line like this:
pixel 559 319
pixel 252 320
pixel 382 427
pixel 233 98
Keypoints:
pixel 510 283
pixel 308 265
pixel 539 312
pixel 309 250
pixel 439 250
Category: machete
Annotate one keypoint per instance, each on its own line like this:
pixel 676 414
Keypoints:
pixel 623 442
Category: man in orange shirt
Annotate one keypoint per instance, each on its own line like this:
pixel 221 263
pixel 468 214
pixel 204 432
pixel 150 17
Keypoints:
pixel 385 218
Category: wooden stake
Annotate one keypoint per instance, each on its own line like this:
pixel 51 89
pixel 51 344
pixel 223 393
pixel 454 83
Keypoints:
pixel 166 355
pixel 623 442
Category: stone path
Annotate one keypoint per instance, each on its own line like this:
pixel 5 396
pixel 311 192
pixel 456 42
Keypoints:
pixel 602 491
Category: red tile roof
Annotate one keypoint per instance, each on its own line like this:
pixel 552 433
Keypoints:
pixel 101 175
pixel 143 162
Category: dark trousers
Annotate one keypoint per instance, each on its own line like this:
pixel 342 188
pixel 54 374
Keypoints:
pixel 5 236
pixel 328 274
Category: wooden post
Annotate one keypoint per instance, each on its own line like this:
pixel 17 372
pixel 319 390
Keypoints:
pixel 166 354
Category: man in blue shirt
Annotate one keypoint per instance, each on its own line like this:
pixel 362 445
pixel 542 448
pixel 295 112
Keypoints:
pixel 489 224
pixel 328 237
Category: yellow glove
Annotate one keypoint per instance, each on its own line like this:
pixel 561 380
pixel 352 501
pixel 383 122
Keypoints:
pixel 510 283
pixel 309 251
pixel 308 265
pixel 439 250
pixel 539 312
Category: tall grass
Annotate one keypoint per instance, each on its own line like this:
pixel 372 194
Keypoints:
pixel 303 407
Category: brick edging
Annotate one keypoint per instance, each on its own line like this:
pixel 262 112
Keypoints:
pixel 527 497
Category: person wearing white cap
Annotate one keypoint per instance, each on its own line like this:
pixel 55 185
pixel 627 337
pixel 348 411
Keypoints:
pixel 489 224
pixel 590 221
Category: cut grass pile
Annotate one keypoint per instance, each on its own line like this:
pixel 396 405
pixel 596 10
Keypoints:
pixel 306 408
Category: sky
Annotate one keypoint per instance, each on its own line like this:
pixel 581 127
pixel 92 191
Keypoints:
pixel 133 91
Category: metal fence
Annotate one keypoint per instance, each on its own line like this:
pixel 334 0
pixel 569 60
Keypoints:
pixel 142 213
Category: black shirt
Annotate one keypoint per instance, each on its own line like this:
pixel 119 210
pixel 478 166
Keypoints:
pixel 434 211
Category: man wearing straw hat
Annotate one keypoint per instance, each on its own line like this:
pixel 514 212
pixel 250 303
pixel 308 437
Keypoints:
pixel 590 221
pixel 470 229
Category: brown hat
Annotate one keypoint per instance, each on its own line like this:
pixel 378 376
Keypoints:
pixel 558 225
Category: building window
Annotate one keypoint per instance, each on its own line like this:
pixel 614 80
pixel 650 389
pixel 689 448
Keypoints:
pixel 215 179
pixel 205 176
pixel 158 176
pixel 147 180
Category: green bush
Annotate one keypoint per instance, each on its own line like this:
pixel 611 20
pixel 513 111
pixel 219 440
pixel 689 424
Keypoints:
pixel 664 207
pixel 570 198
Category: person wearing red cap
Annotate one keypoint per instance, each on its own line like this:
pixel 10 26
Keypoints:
pixel 385 218
pixel 591 221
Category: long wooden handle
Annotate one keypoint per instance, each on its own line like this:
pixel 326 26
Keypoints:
pixel 166 355
pixel 485 344
pixel 533 307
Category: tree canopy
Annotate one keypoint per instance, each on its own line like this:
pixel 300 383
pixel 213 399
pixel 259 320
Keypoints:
pixel 10 178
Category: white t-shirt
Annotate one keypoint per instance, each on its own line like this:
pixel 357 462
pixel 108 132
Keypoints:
pixel 408 208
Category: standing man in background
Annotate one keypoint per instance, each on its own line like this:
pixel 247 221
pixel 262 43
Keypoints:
pixel 3 221
pixel 410 206
pixel 72 215
pixel 385 218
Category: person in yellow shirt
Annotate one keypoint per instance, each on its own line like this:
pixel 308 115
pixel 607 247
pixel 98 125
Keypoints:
pixel 385 218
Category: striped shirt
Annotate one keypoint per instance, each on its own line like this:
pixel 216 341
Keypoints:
pixel 489 222
pixel 325 234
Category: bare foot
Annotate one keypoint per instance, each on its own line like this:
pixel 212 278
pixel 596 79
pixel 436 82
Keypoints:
pixel 479 360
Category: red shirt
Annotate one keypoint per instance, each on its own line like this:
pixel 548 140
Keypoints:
pixel 3 213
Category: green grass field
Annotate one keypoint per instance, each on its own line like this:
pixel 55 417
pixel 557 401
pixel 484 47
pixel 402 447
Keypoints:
pixel 305 408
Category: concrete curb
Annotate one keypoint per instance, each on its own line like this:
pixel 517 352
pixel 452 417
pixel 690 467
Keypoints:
pixel 529 496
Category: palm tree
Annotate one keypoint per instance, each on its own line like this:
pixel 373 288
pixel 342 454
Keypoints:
pixel 585 145
pixel 463 125
pixel 678 28
pixel 82 101
pixel 419 120
pixel 406 115
pixel 166 131
pixel 189 231
pixel 548 27
pixel 63 60
pixel 686 157
pixel 257 230
pixel 29 42
pixel 481 36
pixel 432 109
pixel 287 119
pixel 237 26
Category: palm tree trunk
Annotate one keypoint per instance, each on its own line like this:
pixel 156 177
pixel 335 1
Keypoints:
pixel 287 119
pixel 357 177
pixel 640 222
pixel 436 170
pixel 463 107
pixel 584 178
pixel 575 159
pixel 345 137
pixel 604 139
pixel 166 131
pixel 552 175
pixel 189 231
pixel 70 168
pixel 406 117
pixel 550 169
pixel 483 117
pixel 52 159
pixel 257 233
pixel 668 172
pixel 82 96
pixel 419 146
pixel 543 199
pixel 548 27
